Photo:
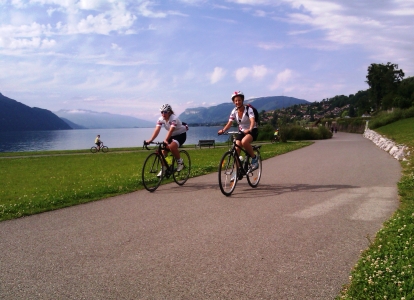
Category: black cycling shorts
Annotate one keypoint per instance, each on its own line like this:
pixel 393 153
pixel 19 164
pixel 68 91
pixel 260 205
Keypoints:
pixel 254 133
pixel 181 138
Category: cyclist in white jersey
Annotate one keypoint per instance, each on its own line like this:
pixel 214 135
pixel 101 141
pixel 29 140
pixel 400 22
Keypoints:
pixel 247 126
pixel 176 135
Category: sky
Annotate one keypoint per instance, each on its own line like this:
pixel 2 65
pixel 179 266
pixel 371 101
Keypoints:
pixel 130 57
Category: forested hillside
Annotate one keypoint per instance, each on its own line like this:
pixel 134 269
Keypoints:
pixel 219 114
pixel 15 116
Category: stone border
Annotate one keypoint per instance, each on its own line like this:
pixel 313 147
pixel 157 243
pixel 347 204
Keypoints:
pixel 397 151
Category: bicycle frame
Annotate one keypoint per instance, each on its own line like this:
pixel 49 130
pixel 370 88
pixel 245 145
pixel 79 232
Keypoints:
pixel 157 163
pixel 232 168
pixel 158 150
pixel 242 165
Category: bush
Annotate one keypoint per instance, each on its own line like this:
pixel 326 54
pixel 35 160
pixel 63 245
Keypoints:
pixel 266 133
pixel 297 133
pixel 352 125
pixel 383 118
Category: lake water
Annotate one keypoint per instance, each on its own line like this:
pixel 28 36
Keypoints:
pixel 84 138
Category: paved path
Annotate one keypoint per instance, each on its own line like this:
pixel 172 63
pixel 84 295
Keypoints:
pixel 296 236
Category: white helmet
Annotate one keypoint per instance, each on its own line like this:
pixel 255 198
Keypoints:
pixel 237 94
pixel 165 107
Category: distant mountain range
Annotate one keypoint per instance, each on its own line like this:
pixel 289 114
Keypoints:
pixel 15 116
pixel 220 113
pixel 80 119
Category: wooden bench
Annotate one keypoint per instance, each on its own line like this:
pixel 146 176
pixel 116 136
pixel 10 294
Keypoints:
pixel 206 143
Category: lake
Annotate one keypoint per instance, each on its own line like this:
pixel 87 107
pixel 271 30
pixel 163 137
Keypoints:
pixel 75 139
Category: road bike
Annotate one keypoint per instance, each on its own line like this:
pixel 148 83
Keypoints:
pixel 102 148
pixel 157 166
pixel 276 138
pixel 233 168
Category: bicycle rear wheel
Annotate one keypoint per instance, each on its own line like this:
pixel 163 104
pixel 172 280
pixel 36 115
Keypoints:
pixel 227 173
pixel 94 149
pixel 104 149
pixel 152 166
pixel 182 176
pixel 253 177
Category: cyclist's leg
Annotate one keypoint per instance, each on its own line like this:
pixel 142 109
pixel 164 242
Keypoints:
pixel 173 146
pixel 247 144
pixel 176 142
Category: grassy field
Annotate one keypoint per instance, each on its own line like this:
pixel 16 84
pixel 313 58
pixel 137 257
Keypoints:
pixel 34 182
pixel 385 270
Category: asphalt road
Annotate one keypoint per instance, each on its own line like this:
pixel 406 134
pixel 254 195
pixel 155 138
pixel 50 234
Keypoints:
pixel 296 236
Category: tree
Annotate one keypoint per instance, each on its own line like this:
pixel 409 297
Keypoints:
pixel 351 111
pixel 382 80
pixel 274 119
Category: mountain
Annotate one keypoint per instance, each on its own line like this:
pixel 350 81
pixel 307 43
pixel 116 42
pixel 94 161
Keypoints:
pixel 220 113
pixel 97 120
pixel 15 116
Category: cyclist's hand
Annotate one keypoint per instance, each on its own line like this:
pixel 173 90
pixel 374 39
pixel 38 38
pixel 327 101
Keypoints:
pixel 220 132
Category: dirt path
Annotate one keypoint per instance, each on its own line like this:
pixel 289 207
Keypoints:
pixel 296 236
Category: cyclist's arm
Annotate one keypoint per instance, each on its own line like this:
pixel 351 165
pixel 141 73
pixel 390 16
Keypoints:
pixel 155 134
pixel 169 134
pixel 251 126
pixel 226 127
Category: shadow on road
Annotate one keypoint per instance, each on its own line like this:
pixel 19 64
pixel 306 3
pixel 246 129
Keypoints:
pixel 243 190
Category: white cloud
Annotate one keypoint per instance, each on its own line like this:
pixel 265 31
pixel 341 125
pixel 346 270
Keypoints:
pixel 242 73
pixel 259 71
pixel 217 75
pixel 147 12
pixel 282 78
pixel 270 46
pixel 256 72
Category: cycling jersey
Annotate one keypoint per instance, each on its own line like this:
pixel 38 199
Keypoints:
pixel 172 122
pixel 244 122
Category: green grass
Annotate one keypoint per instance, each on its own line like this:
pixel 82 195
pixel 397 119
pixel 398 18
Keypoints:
pixel 385 270
pixel 34 182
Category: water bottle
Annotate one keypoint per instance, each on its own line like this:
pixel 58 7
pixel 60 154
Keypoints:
pixel 241 157
pixel 169 160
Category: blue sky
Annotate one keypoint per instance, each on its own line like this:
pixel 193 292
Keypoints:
pixel 129 57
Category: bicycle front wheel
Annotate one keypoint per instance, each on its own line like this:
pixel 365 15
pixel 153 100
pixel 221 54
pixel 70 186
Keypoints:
pixel 253 177
pixel 104 149
pixel 94 149
pixel 151 176
pixel 227 173
pixel 180 177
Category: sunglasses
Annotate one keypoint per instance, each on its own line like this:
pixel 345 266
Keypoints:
pixel 164 112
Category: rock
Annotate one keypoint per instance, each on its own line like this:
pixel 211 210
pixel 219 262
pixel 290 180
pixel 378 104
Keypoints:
pixel 396 151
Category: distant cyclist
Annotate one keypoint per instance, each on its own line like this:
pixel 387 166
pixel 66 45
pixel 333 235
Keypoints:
pixel 98 142
pixel 176 135
pixel 276 135
pixel 247 126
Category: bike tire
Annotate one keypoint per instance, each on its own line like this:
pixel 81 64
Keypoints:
pixel 152 166
pixel 104 149
pixel 253 177
pixel 182 176
pixel 227 169
pixel 94 149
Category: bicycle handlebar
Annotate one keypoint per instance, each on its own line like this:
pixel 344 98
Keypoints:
pixel 229 132
pixel 145 144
